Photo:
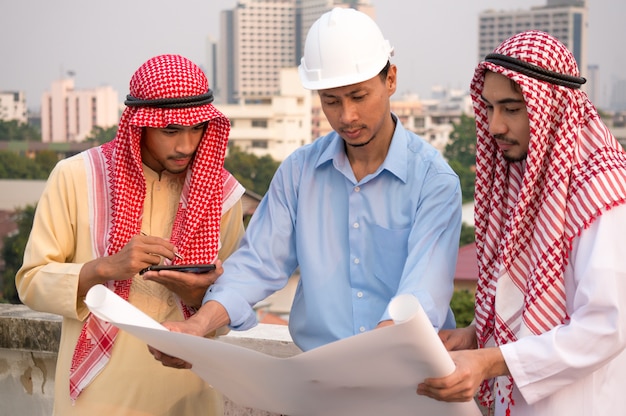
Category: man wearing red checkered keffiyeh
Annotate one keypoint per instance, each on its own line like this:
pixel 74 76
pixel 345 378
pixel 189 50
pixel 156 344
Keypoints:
pixel 158 192
pixel 550 330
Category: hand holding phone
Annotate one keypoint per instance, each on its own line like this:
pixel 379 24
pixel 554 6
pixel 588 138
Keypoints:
pixel 185 268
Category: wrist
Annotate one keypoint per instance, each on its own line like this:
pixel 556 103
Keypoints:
pixel 495 365
pixel 210 317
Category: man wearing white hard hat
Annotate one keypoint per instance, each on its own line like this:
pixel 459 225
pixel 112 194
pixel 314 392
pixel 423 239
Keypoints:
pixel 367 212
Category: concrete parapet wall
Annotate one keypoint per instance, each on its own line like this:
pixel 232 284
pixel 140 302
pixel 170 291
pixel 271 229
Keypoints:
pixel 28 352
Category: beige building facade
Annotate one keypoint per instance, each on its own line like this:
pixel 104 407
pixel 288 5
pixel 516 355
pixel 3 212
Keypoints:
pixel 69 115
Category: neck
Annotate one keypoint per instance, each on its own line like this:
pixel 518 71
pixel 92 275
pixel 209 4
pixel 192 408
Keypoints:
pixel 365 159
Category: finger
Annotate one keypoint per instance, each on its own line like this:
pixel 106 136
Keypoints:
pixel 160 246
pixel 155 353
pixel 181 364
pixel 174 362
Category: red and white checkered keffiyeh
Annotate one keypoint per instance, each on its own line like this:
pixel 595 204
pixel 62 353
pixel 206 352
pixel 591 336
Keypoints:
pixel 117 180
pixel 528 213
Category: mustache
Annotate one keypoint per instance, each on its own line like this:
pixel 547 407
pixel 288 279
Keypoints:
pixel 182 156
pixel 502 138
pixel 352 128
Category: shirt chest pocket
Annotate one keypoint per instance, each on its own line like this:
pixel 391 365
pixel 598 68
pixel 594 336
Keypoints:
pixel 389 251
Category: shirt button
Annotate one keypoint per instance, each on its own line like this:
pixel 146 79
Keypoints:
pixel 362 329
pixel 357 188
pixel 359 294
pixel 357 261
pixel 355 225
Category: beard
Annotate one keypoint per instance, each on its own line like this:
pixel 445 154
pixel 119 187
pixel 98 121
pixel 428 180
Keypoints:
pixel 514 159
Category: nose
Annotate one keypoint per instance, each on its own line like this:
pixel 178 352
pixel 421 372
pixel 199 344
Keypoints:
pixel 497 125
pixel 349 113
pixel 187 141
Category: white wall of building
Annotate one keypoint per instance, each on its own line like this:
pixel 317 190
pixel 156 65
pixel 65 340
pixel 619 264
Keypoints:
pixel 272 125
pixel 13 106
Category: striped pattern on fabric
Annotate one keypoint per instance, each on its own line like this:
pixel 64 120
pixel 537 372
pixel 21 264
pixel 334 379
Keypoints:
pixel 528 213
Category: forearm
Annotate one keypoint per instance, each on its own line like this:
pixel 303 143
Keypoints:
pixel 208 319
pixel 92 273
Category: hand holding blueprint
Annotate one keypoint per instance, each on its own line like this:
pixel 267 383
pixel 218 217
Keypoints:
pixel 374 373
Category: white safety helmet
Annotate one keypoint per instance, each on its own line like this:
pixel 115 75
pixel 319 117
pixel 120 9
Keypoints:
pixel 343 47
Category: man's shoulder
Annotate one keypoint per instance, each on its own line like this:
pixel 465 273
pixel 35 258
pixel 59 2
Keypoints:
pixel 313 150
pixel 419 149
pixel 71 164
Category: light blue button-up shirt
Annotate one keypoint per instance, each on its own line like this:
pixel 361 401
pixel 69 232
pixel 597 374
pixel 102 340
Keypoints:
pixel 358 244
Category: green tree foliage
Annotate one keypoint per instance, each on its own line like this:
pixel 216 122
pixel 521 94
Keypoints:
pixel 462 305
pixel 461 154
pixel 253 172
pixel 99 135
pixel 13 253
pixel 467 178
pixel 14 131
pixel 15 166
pixel 46 160
pixel 467 235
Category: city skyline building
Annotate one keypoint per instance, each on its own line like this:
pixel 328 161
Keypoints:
pixel 69 115
pixel 618 95
pixel 275 126
pixel 13 106
pixel 257 39
pixel 567 20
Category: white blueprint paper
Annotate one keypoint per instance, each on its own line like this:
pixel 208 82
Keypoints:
pixel 374 373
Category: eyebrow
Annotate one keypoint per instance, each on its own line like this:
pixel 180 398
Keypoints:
pixel 179 126
pixel 504 100
pixel 354 91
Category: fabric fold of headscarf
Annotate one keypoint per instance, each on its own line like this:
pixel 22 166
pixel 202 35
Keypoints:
pixel 115 171
pixel 528 213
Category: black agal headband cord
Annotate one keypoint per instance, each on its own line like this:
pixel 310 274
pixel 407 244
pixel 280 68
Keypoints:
pixel 179 102
pixel 535 71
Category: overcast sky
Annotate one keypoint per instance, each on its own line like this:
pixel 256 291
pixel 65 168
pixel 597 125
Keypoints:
pixel 105 41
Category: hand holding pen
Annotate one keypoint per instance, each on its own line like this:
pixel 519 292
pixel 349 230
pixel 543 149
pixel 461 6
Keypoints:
pixel 140 252
pixel 178 256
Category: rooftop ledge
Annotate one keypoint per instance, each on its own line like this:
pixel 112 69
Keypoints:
pixel 29 345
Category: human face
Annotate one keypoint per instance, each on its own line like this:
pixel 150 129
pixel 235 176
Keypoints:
pixel 507 116
pixel 360 112
pixel 171 148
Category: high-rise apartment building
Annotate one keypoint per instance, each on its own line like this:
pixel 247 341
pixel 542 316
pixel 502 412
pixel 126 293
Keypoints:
pixel 260 37
pixel 564 19
pixel 69 115
pixel 13 106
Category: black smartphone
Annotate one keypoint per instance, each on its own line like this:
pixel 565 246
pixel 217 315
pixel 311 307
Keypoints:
pixel 186 268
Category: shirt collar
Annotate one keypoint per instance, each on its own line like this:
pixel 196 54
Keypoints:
pixel 395 162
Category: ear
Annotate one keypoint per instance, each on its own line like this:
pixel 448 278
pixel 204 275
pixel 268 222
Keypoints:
pixel 391 81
